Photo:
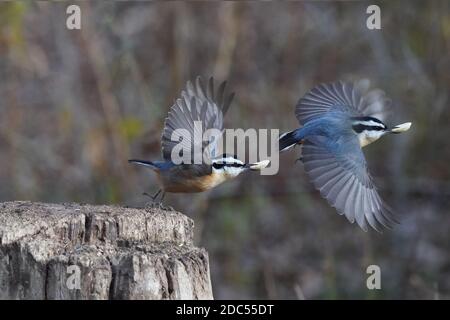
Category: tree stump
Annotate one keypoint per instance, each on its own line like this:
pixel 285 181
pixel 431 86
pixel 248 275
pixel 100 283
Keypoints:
pixel 72 251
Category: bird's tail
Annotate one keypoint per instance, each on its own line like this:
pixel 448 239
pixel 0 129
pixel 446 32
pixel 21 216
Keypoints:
pixel 145 163
pixel 287 140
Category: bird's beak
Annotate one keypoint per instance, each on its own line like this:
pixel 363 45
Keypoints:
pixel 257 165
pixel 401 128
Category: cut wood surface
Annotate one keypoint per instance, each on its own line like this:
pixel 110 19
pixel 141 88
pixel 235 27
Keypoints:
pixel 72 251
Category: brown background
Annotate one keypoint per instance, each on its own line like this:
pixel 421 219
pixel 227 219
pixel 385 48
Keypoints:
pixel 75 105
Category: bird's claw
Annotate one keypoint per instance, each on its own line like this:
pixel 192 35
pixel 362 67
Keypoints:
pixel 151 205
pixel 157 205
pixel 162 207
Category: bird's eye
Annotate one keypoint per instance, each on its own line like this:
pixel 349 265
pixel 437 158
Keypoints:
pixel 218 165
pixel 358 128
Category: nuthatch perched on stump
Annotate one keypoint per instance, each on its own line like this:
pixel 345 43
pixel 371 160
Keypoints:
pixel 207 108
pixel 338 119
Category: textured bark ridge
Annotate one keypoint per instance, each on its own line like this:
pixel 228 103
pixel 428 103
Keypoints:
pixel 118 253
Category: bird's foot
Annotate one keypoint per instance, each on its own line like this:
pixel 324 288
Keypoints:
pixel 151 205
pixel 166 208
pixel 157 204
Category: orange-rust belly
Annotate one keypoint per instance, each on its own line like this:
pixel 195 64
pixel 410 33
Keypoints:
pixel 191 185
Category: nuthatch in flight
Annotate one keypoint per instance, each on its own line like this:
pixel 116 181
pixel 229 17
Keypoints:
pixel 338 119
pixel 196 105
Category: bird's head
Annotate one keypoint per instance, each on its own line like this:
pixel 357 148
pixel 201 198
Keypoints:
pixel 230 166
pixel 370 129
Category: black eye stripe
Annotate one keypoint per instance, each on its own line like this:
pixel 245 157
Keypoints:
pixel 358 128
pixel 219 165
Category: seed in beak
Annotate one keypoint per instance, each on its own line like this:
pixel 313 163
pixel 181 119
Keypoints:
pixel 259 165
pixel 401 127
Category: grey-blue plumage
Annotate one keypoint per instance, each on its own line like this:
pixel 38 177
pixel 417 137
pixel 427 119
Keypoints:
pixel 338 119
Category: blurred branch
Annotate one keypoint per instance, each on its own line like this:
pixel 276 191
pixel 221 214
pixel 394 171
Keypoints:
pixel 91 45
pixel 229 26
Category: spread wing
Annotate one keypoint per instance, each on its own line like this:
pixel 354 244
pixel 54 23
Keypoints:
pixel 196 111
pixel 339 172
pixel 352 98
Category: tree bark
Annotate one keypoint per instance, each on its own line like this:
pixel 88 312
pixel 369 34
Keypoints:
pixel 72 251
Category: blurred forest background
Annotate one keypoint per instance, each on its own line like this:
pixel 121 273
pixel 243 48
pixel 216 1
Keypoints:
pixel 75 105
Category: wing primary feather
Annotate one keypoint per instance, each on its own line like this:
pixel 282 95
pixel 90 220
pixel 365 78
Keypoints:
pixel 210 92
pixel 357 204
pixel 199 85
pixel 372 213
pixel 378 208
pixel 389 216
pixel 337 187
pixel 343 194
pixel 349 203
pixel 190 88
pixel 327 188
pixel 227 103
pixel 220 94
pixel 197 102
pixel 368 211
